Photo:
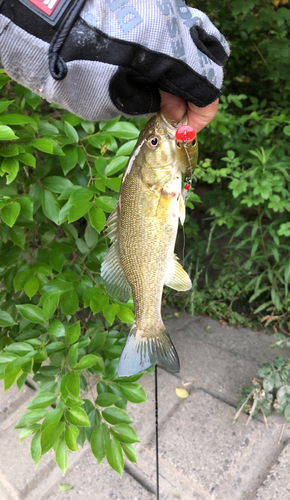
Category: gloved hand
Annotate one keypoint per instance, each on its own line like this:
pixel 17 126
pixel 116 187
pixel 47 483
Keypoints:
pixel 102 58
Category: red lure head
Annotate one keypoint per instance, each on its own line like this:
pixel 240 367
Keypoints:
pixel 185 133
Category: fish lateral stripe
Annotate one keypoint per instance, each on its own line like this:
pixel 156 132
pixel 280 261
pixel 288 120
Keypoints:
pixel 142 351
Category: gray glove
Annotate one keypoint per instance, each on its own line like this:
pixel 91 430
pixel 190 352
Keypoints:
pixel 102 58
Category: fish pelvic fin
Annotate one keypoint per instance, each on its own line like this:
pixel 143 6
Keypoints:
pixel 178 278
pixel 142 351
pixel 114 279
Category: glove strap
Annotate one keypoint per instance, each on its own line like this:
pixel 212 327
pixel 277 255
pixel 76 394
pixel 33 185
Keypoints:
pixel 57 66
pixel 54 26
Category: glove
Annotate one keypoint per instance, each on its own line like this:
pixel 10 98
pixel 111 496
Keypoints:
pixel 102 58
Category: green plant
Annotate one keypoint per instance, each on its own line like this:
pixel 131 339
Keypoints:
pixel 272 391
pixel 60 175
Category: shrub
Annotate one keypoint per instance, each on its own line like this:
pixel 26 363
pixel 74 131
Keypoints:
pixel 60 175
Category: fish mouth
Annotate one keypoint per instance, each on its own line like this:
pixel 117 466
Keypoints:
pixel 170 126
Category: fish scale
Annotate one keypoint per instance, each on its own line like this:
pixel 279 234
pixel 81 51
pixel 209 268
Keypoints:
pixel 143 229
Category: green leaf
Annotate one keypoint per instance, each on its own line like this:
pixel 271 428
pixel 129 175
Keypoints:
pixel 106 203
pixel 127 148
pixel 133 392
pixel 124 130
pixel 56 328
pixel 35 448
pixel 7 134
pixel 107 399
pixel 42 400
pixel 87 361
pixel 70 435
pixel 71 132
pixel 11 377
pixel 116 416
pixel 72 356
pixel 56 184
pixel 69 302
pixel 97 218
pixel 125 315
pixel 6 320
pixel 56 260
pixel 10 212
pixel 44 145
pixel 73 332
pixel 114 456
pixel 91 236
pixel 130 452
pixel 50 435
pixel 50 206
pixel 52 417
pixel 69 161
pixel 32 313
pixel 26 204
pixel 11 166
pixel 65 487
pixel 4 105
pixel 27 159
pixel 126 433
pixel 118 163
pixel 28 431
pixel 30 418
pixel 16 119
pixel 31 286
pixel 61 455
pixel 78 210
pixel 17 236
pixel 73 384
pixel 77 416
pixel 99 441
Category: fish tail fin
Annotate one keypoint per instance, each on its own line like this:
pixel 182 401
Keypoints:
pixel 142 351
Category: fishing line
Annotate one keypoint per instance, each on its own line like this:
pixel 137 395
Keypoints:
pixel 156 435
pixel 188 186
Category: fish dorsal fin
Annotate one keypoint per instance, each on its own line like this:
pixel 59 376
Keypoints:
pixel 181 209
pixel 178 279
pixel 113 276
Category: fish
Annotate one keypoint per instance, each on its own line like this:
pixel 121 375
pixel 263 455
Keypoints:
pixel 143 229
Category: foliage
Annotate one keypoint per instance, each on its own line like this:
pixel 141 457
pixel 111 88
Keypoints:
pixel 244 174
pixel 273 391
pixel 60 175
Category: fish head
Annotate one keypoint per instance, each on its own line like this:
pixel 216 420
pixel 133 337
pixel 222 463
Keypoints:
pixel 161 147
pixel 157 141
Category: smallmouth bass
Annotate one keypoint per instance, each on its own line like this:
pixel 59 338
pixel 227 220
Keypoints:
pixel 143 228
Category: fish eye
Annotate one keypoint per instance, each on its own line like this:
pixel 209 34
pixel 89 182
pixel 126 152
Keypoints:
pixel 194 142
pixel 153 142
pixel 178 144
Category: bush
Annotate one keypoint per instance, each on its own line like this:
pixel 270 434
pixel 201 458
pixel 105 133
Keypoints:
pixel 244 174
pixel 60 175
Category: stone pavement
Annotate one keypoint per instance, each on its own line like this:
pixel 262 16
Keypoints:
pixel 203 456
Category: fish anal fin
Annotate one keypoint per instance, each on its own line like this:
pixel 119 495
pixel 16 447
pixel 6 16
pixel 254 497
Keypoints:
pixel 142 351
pixel 178 278
pixel 114 279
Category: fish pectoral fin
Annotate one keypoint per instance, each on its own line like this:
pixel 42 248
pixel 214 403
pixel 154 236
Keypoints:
pixel 142 351
pixel 178 279
pixel 113 276
pixel 181 209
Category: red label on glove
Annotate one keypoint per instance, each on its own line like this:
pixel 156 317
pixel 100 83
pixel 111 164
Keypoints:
pixel 46 6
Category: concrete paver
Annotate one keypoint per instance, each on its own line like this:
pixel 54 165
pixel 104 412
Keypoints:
pixel 276 486
pixel 202 455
